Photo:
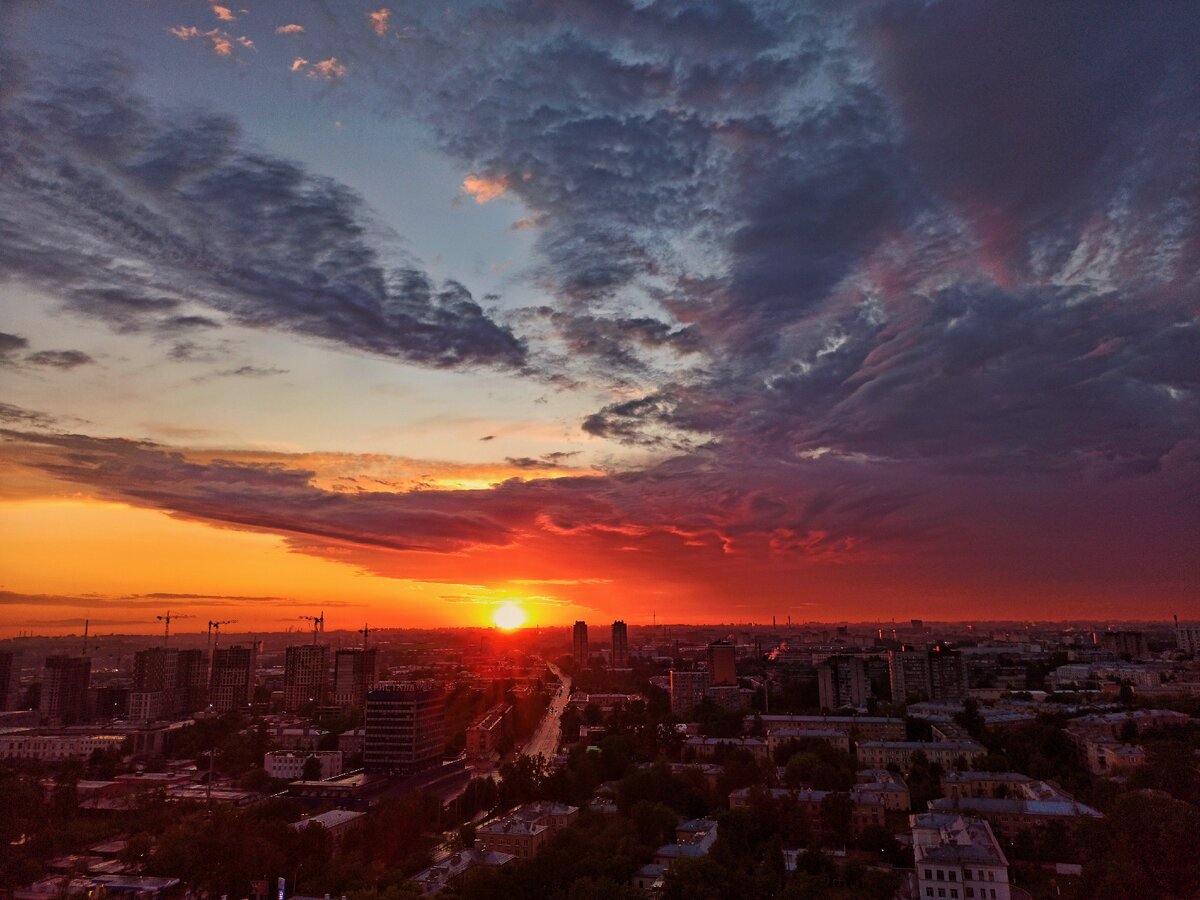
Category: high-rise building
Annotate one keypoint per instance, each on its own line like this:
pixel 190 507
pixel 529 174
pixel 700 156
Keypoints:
pixel 842 681
pixel 579 644
pixel 191 675
pixel 687 691
pixel 620 645
pixel 934 673
pixel 10 680
pixel 353 676
pixel 947 675
pixel 405 727
pixel 65 689
pixel 1125 643
pixel 908 672
pixel 305 676
pixel 233 671
pixel 722 663
pixel 1187 637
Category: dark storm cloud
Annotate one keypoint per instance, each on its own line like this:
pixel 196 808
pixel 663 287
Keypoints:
pixel 901 232
pixel 128 215
pixel 59 359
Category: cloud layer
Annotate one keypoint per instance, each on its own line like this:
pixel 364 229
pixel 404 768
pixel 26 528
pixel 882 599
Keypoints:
pixel 136 218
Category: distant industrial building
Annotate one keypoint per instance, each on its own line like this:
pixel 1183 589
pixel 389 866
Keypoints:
pixel 405 727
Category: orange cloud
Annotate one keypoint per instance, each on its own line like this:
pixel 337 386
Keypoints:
pixel 379 20
pixel 222 41
pixel 224 13
pixel 327 69
pixel 290 29
pixel 483 188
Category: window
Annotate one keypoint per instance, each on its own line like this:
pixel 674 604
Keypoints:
pixel 953 894
pixel 928 892
pixel 970 892
pixel 941 876
pixel 928 874
pixel 953 876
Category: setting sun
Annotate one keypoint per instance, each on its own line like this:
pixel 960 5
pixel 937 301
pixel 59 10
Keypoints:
pixel 509 616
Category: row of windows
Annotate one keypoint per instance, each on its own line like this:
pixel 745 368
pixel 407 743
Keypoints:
pixel 985 893
pixel 943 875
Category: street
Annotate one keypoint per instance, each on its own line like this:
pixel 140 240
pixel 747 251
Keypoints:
pixel 545 738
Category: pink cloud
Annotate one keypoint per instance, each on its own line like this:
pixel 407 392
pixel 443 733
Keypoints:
pixel 290 29
pixel 224 13
pixel 379 20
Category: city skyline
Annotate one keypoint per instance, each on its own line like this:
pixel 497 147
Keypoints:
pixel 530 314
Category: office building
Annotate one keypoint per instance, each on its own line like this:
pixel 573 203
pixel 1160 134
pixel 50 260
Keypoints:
pixel 353 675
pixel 722 657
pixel 579 644
pixel 842 682
pixel 687 691
pixel 405 727
pixel 289 764
pixel 958 858
pixel 232 684
pixel 305 676
pixel 620 645
pixel 65 689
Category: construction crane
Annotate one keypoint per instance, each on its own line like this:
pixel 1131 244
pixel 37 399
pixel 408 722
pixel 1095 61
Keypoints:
pixel 365 631
pixel 166 620
pixel 216 626
pixel 318 624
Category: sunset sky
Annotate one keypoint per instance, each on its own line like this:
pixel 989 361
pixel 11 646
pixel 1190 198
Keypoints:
pixel 605 308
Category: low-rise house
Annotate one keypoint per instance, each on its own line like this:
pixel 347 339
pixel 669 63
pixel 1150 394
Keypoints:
pixel 882 754
pixel 1009 817
pixel 868 809
pixel 340 823
pixel 958 858
pixel 887 786
pixel 693 839
pixel 866 728
pixel 526 829
pixel 289 764
pixel 778 737
pixel 708 747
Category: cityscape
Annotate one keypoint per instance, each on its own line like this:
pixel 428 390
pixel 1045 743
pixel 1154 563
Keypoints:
pixel 786 759
pixel 599 450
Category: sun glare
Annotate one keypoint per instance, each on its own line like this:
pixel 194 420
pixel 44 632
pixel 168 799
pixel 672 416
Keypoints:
pixel 509 616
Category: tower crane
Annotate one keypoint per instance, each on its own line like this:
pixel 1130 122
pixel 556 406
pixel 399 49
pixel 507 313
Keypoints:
pixel 166 620
pixel 318 624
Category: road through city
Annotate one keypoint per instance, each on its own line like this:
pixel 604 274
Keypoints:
pixel 545 738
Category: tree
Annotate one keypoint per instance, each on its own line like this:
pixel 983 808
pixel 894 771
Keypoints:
pixel 654 822
pixel 312 769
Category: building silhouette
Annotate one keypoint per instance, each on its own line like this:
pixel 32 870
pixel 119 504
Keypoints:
pixel 405 727
pixel 722 659
pixel 620 645
pixel 65 689
pixel 353 675
pixel 579 643
pixel 842 681
pixel 232 684
pixel 305 676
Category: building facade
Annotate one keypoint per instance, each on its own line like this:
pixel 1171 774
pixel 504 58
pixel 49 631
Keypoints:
pixel 722 663
pixel 958 858
pixel 305 676
pixel 579 643
pixel 65 690
pixel 233 671
pixel 842 682
pixel 687 691
pixel 353 675
pixel 404 727
pixel 620 645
